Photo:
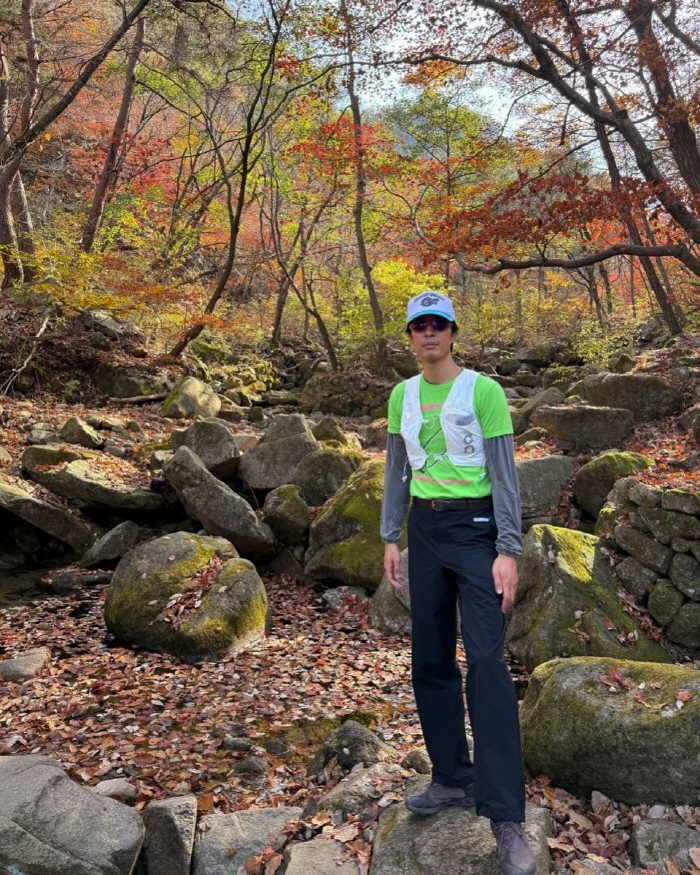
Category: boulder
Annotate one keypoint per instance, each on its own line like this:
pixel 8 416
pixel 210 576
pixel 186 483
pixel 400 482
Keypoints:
pixel 344 540
pixel 596 478
pixel 15 496
pixel 271 462
pixel 635 577
pixel 228 840
pixel 665 525
pixel 113 545
pixel 329 429
pixel 631 742
pixel 187 595
pixel 361 789
pixel 646 396
pixel 457 841
pixel 287 514
pixel 100 481
pixel 621 363
pixel 575 428
pixel 191 397
pixel 26 666
pixel 681 500
pixel 321 473
pixel 76 431
pixel 120 789
pixel 351 743
pixel 540 356
pixel 218 508
pixel 566 603
pixel 213 443
pixel 169 841
pixel 48 824
pixel 664 602
pixel 280 398
pixel 114 380
pixel 376 435
pixel 684 629
pixel 320 856
pixel 548 397
pixel 390 608
pixel 654 842
pixel 541 483
pixel 643 548
pixel 563 376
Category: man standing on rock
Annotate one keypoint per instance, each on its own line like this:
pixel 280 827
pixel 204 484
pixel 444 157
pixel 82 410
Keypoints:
pixel 450 456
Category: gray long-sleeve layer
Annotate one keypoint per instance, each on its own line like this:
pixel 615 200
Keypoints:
pixel 504 489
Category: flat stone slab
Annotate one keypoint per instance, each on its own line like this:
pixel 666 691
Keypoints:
pixel 26 666
pixel 48 824
pixel 579 427
pixel 320 856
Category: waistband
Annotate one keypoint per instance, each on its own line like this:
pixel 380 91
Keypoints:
pixel 453 503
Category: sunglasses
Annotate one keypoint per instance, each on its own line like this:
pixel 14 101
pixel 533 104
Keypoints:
pixel 437 323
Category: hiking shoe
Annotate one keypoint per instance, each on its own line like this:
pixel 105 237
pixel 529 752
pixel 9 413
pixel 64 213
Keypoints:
pixel 437 797
pixel 514 854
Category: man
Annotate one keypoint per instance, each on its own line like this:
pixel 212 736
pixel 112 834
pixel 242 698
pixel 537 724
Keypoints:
pixel 450 456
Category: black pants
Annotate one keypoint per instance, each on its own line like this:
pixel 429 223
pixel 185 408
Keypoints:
pixel 451 554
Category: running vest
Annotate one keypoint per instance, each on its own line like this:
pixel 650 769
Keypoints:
pixel 464 438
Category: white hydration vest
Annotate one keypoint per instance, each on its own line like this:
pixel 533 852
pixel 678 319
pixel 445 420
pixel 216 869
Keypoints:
pixel 464 438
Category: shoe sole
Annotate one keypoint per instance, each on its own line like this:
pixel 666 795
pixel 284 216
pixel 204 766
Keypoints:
pixel 427 812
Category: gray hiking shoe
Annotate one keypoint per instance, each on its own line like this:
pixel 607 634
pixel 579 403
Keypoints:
pixel 437 797
pixel 514 854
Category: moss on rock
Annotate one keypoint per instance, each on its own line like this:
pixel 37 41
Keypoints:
pixel 632 744
pixel 596 478
pixel 567 603
pixel 232 612
pixel 344 542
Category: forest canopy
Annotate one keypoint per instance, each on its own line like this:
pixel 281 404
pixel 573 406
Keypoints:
pixel 282 169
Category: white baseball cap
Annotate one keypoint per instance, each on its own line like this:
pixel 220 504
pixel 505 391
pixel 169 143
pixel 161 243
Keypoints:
pixel 430 303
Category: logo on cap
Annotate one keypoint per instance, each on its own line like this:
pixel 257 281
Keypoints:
pixel 430 300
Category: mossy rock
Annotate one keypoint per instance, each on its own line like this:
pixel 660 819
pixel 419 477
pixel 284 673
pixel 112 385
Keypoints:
pixel 233 609
pixel 596 478
pixel 146 451
pixel 344 541
pixel 287 514
pixel 322 472
pixel 567 605
pixel 191 397
pixel 609 516
pixel 633 744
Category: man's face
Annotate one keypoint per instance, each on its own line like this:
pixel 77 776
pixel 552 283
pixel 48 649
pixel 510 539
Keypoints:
pixel 431 338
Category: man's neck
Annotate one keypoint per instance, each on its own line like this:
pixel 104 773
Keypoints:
pixel 442 371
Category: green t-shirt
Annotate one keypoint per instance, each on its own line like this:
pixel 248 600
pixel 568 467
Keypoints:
pixel 442 479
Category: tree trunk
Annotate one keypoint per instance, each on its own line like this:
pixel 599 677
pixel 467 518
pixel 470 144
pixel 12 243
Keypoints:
pixel 24 228
pixel 108 176
pixel 360 195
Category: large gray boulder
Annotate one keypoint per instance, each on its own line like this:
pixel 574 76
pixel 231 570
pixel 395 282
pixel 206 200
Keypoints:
pixel 287 514
pixel 228 840
pixel 112 379
pixel 286 442
pixel 541 483
pixel 646 396
pixel 547 398
pixel 77 431
pixel 98 480
pixel 596 478
pixel 215 445
pixel 655 842
pixel 217 507
pixel 48 824
pixel 191 397
pixel 456 841
pixel 112 545
pixel 320 474
pixel 566 603
pixel 614 726
pixel 344 540
pixel 15 496
pixel 575 428
pixel 390 608
pixel 188 595
pixel 169 842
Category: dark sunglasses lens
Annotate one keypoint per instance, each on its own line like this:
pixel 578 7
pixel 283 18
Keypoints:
pixel 437 324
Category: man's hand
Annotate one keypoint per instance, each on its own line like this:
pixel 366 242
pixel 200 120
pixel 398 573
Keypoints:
pixel 392 566
pixel 505 578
